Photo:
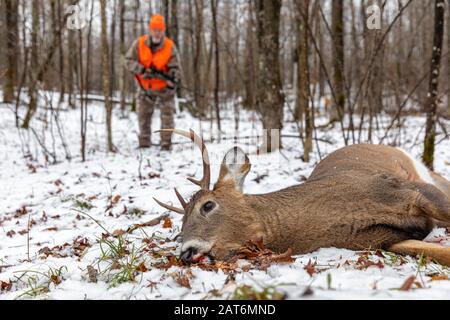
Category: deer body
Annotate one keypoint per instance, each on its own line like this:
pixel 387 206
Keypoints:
pixel 359 197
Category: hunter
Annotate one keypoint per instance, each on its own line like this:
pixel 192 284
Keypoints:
pixel 153 59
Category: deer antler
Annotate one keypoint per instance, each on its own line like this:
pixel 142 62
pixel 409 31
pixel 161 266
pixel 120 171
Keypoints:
pixel 169 207
pixel 180 198
pixel 205 181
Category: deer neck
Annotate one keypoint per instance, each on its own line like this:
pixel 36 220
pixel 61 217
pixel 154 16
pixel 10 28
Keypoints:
pixel 280 214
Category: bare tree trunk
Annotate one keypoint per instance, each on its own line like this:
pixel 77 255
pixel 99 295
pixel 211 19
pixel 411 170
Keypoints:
pixel 448 58
pixel 376 80
pixel 321 40
pixel 122 71
pixel 112 63
pixel 12 43
pixel 303 98
pixel 84 100
pixel 431 107
pixel 250 59
pixel 270 99
pixel 106 76
pixel 34 51
pixel 198 61
pixel 337 26
pixel 62 87
pixel 214 5
pixel 70 67
pixel 173 22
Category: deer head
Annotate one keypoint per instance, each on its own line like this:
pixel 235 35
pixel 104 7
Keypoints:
pixel 216 221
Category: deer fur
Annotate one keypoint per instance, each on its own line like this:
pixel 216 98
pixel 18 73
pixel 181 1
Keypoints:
pixel 359 197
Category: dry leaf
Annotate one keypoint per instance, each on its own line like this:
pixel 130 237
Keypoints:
pixel 116 199
pixel 55 279
pixel 439 277
pixel 310 268
pixel 407 285
pixel 51 229
pixel 5 286
pixel 167 223
pixel 119 232
pixel 183 279
pixel 141 267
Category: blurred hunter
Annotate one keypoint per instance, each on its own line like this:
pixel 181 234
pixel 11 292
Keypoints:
pixel 153 59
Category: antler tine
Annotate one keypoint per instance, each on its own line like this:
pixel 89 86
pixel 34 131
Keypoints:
pixel 168 207
pixel 205 181
pixel 180 198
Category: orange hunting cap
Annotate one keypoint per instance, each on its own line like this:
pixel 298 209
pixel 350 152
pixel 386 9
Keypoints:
pixel 157 22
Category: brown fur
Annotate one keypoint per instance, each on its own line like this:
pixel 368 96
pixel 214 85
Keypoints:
pixel 359 197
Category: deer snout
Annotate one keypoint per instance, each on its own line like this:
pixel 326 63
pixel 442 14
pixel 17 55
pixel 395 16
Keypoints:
pixel 194 251
pixel 187 255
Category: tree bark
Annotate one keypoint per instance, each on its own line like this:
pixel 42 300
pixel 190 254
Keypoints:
pixel 198 57
pixel 270 99
pixel 122 75
pixel 34 51
pixel 12 50
pixel 112 62
pixel 337 26
pixel 431 106
pixel 250 65
pixel 214 5
pixel 448 58
pixel 173 22
pixel 303 91
pixel 62 87
pixel 106 76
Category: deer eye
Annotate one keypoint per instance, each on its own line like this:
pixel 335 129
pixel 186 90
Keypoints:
pixel 208 206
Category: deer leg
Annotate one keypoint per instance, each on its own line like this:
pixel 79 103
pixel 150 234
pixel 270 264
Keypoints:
pixel 416 247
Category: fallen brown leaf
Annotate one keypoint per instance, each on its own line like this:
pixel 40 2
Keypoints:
pixel 439 277
pixel 407 285
pixel 116 199
pixel 141 267
pixel 167 223
pixel 310 268
pixel 5 286
pixel 119 232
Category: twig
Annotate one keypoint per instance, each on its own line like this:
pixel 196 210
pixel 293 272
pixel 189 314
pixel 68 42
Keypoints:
pixel 150 223
pixel 28 238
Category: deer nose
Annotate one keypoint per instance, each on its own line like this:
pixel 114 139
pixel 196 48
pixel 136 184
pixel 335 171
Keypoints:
pixel 187 255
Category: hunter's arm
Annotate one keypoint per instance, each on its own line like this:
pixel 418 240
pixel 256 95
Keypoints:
pixel 174 65
pixel 132 59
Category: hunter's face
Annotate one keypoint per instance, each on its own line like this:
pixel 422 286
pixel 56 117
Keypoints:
pixel 157 35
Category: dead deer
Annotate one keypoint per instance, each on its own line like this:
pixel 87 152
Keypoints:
pixel 358 197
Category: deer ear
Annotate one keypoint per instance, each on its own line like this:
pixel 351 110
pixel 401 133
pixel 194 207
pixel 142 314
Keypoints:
pixel 235 167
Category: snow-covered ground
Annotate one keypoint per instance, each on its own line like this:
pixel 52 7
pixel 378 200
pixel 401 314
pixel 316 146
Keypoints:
pixel 71 206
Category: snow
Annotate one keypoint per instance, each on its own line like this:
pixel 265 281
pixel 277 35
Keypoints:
pixel 55 195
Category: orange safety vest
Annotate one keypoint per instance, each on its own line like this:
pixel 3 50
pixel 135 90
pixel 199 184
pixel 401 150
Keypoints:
pixel 158 59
